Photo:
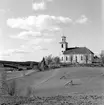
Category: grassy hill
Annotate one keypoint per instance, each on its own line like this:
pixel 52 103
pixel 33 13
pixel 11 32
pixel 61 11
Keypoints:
pixel 50 83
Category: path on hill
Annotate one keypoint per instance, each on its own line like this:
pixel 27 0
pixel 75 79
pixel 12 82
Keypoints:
pixel 48 78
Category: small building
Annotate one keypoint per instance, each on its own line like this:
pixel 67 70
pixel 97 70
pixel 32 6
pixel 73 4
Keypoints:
pixel 97 59
pixel 81 55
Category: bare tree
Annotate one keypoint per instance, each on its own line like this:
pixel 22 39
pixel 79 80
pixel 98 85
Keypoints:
pixel 56 60
pixel 49 59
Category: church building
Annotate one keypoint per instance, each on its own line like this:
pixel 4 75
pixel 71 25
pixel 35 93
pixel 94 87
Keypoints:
pixel 81 55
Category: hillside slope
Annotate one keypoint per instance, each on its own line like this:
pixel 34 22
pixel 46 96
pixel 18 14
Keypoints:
pixel 48 83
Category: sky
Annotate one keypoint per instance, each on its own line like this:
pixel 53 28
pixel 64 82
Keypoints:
pixel 32 29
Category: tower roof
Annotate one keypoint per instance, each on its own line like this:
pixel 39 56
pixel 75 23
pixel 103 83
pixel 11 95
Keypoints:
pixel 63 36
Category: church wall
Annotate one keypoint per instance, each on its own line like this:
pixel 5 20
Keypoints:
pixel 78 58
pixel 90 58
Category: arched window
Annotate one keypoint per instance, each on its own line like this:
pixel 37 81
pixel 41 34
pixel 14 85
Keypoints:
pixel 66 58
pixel 86 58
pixel 62 45
pixel 76 58
pixel 71 58
pixel 81 57
pixel 62 59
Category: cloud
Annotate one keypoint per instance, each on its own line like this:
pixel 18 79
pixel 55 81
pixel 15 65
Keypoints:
pixel 35 44
pixel 39 5
pixel 38 26
pixel 39 23
pixel 22 50
pixel 21 23
pixel 37 41
pixel 2 10
pixel 42 25
pixel 32 48
pixel 48 40
pixel 10 52
pixel 82 20
pixel 7 52
pixel 26 35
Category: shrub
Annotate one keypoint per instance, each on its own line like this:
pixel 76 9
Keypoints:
pixel 7 88
pixel 56 60
pixel 49 59
pixel 42 65
pixel 4 86
pixel 12 88
pixel 52 60
pixel 30 92
pixel 54 66
pixel 66 64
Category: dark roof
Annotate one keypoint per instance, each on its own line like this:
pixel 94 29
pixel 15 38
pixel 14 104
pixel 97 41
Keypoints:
pixel 78 50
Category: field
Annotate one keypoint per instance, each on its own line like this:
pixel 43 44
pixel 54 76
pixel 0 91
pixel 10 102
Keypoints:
pixel 54 82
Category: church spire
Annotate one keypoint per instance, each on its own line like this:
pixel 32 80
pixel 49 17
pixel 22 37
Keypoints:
pixel 63 37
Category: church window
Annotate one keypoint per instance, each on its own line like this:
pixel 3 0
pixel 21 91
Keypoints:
pixel 62 46
pixel 66 58
pixel 86 58
pixel 76 58
pixel 71 58
pixel 81 57
pixel 62 58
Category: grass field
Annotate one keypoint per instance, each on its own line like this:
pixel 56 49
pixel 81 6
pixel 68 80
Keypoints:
pixel 48 83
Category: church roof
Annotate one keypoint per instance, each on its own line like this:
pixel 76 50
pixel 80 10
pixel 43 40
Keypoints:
pixel 78 50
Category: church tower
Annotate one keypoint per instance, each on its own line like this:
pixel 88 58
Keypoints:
pixel 64 46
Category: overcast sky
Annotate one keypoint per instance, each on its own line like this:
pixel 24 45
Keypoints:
pixel 31 29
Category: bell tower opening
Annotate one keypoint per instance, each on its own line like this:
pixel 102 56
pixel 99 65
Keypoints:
pixel 63 38
pixel 62 45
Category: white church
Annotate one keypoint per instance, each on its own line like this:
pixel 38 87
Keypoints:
pixel 81 55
